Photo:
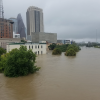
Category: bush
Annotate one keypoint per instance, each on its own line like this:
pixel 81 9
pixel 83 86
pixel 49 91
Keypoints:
pixel 73 46
pixel 2 51
pixel 18 62
pixel 70 52
pixel 3 60
pixel 52 46
pixel 56 51
pixel 63 48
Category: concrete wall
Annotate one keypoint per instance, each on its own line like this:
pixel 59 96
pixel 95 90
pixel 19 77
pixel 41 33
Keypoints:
pixel 36 48
pixel 41 36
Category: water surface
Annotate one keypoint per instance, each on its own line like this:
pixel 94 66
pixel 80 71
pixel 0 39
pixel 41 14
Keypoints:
pixel 60 78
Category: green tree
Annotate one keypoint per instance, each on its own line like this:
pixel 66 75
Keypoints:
pixel 56 51
pixel 73 46
pixel 19 62
pixel 2 51
pixel 70 52
pixel 52 46
pixel 3 59
pixel 23 41
pixel 63 48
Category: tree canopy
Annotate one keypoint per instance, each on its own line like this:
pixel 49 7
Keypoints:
pixel 52 46
pixel 2 51
pixel 70 52
pixel 18 62
pixel 56 51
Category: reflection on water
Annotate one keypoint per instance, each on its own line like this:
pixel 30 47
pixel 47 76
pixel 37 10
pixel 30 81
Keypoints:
pixel 60 77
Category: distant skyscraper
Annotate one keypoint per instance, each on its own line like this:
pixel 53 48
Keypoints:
pixel 34 17
pixel 21 26
pixel 1 9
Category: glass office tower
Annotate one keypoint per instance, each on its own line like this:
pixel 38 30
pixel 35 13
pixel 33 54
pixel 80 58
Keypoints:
pixel 21 27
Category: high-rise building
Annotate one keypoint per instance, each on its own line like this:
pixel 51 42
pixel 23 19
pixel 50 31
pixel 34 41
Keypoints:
pixel 15 28
pixel 34 17
pixel 6 28
pixel 21 26
pixel 1 9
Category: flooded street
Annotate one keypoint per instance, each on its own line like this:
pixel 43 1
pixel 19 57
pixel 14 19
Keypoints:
pixel 60 78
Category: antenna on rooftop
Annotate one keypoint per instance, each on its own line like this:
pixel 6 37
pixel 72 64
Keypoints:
pixel 1 9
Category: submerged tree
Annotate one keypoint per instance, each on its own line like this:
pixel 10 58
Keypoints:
pixel 19 62
pixel 2 51
pixel 52 46
pixel 70 52
pixel 56 51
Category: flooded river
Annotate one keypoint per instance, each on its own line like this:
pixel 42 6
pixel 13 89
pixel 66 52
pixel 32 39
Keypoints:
pixel 60 78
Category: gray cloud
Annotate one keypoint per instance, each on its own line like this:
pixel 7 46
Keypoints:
pixel 75 19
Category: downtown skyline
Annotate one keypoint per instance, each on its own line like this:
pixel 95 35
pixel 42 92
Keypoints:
pixel 71 19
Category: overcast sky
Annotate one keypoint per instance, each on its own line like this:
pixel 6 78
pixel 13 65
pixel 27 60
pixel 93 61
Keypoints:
pixel 70 19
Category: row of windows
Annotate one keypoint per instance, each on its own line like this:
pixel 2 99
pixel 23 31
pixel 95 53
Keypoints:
pixel 6 33
pixel 35 47
pixel 38 52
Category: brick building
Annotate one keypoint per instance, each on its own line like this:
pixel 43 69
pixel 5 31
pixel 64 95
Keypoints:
pixel 6 28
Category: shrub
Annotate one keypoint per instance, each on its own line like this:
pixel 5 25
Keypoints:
pixel 56 51
pixel 70 52
pixel 19 62
pixel 63 48
pixel 2 51
pixel 73 46
pixel 52 46
pixel 3 60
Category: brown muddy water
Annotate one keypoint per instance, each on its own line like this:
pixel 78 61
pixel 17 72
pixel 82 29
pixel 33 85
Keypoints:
pixel 60 78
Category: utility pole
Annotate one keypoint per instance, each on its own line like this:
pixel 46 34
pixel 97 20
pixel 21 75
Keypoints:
pixel 1 9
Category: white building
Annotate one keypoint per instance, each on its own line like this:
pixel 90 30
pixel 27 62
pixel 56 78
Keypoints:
pixel 4 41
pixel 37 48
pixel 16 35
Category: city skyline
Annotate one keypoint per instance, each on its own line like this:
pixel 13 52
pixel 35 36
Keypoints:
pixel 73 19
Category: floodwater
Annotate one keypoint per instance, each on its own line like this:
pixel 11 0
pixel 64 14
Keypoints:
pixel 60 78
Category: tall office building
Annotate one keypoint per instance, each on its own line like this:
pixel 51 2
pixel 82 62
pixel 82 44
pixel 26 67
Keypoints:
pixel 6 28
pixel 21 26
pixel 1 9
pixel 34 17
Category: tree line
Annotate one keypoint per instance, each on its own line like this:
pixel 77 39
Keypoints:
pixel 69 49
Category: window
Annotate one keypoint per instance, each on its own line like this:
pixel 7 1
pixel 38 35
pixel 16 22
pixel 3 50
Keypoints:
pixel 29 46
pixel 35 46
pixel 36 52
pixel 41 46
pixel 41 52
pixel 38 46
pixel 32 46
